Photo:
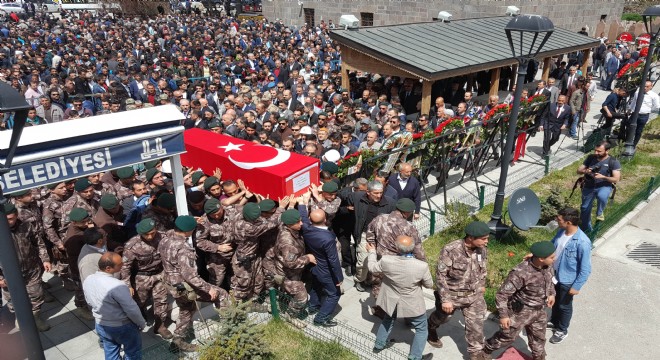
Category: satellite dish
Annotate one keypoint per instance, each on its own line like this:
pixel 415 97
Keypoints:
pixel 524 209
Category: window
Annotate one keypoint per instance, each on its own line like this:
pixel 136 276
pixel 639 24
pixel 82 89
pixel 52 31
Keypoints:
pixel 309 16
pixel 603 17
pixel 366 19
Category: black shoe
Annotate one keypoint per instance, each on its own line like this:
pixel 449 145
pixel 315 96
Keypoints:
pixel 388 345
pixel 327 323
pixel 360 287
pixel 349 272
pixel 427 356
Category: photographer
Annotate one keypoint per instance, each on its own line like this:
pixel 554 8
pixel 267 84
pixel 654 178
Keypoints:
pixel 601 172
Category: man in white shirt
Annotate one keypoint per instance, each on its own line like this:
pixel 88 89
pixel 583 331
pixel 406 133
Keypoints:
pixel 370 142
pixel 651 103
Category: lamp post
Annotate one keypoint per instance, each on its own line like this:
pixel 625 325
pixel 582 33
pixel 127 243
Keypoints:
pixel 12 101
pixel 526 34
pixel 649 15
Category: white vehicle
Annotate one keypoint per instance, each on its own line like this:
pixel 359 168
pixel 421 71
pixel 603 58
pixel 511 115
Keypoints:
pixel 49 6
pixel 194 5
pixel 9 8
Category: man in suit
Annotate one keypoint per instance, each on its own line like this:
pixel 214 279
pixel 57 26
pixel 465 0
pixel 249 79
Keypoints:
pixel 554 91
pixel 542 90
pixel 408 97
pixel 612 67
pixel 326 275
pixel 401 294
pixel 406 186
pixel 568 80
pixel 555 120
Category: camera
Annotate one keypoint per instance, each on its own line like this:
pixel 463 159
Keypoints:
pixel 593 170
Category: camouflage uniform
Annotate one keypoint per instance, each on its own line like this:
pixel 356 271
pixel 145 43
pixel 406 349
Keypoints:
pixel 31 253
pixel 74 241
pixel 460 275
pixel 73 202
pixel 178 260
pixel 52 223
pixel 383 231
pixel 209 234
pixel 290 261
pixel 523 298
pixel 266 242
pixel 143 268
pixel 164 221
pixel 330 208
pixel 118 190
pixel 245 262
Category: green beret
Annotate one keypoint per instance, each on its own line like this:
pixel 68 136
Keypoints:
pixel 251 211
pixel 215 124
pixel 166 200
pixel 477 229
pixel 211 206
pixel 330 187
pixel 151 173
pixel 9 208
pixel 82 184
pixel 108 201
pixel 267 205
pixel 151 164
pixel 339 111
pixel 185 223
pixel 405 205
pixel 209 182
pixel 146 225
pixel 323 113
pixel 542 249
pixel 330 167
pixel 196 176
pixel 78 214
pixel 20 193
pixel 290 217
pixel 53 186
pixel 126 172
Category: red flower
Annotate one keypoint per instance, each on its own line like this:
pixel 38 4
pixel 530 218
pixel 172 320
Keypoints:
pixel 644 52
pixel 623 70
pixel 418 135
pixel 511 254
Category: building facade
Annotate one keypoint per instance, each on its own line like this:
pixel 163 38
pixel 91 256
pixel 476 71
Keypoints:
pixel 568 14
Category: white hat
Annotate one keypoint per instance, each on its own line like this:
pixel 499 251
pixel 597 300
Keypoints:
pixel 332 155
pixel 306 130
pixel 166 166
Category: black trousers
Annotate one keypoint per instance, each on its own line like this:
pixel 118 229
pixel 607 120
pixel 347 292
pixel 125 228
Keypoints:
pixel 550 137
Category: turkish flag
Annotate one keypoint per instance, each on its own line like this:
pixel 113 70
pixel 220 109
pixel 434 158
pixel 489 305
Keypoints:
pixel 268 171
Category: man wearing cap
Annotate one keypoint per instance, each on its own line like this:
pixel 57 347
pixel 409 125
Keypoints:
pixel 326 199
pixel 83 197
pixel 32 255
pixel 74 240
pixel 382 233
pixel 522 299
pixel 142 271
pixel 52 223
pixel 155 180
pixel 182 280
pixel 109 219
pixel 162 210
pixel 212 188
pixel 122 187
pixel 460 285
pixel 213 236
pixel 266 241
pixel 247 230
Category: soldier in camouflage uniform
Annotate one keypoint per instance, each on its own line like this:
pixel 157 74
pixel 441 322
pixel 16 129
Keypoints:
pixel 326 200
pixel 460 284
pixel 74 240
pixel 162 210
pixel 213 236
pixel 122 188
pixel 142 271
pixel 266 242
pixel 32 255
pixel 246 232
pixel 95 180
pixel 29 212
pixel 182 280
pixel 383 232
pixel 52 222
pixel 83 197
pixel 522 299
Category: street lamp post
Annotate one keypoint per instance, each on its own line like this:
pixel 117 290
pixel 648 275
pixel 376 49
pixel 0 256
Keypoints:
pixel 523 33
pixel 650 14
pixel 12 101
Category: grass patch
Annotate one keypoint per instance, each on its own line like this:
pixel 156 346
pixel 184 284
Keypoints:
pixel 506 253
pixel 287 343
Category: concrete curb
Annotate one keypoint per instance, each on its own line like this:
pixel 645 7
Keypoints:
pixel 625 220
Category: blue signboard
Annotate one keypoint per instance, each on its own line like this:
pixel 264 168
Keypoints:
pixel 71 166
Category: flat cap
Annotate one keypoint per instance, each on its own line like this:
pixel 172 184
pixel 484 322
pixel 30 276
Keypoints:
pixel 405 205
pixel 542 249
pixel 290 217
pixel 185 223
pixel 108 201
pixel 330 167
pixel 251 211
pixel 477 229
pixel 330 187
pixel 211 206
pixel 126 172
pixel 196 176
pixel 82 184
pixel 209 182
pixel 9 208
pixel 166 200
pixel 20 193
pixel 267 205
pixel 151 173
pixel 146 225
pixel 78 214
pixel 151 163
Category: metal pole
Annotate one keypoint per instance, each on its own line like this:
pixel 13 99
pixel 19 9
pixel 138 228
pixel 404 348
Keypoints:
pixel 482 196
pixel 495 218
pixel 179 187
pixel 272 293
pixel 547 164
pixel 629 150
pixel 432 224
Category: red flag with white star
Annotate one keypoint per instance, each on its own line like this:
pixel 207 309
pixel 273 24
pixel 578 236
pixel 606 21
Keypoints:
pixel 271 172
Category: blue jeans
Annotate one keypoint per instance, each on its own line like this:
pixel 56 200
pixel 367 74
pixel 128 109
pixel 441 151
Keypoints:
pixel 419 341
pixel 562 310
pixel 574 125
pixel 642 119
pixel 324 296
pixel 601 194
pixel 114 337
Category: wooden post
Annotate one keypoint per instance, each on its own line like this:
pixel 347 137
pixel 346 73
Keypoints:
pixel 514 76
pixel 345 82
pixel 494 81
pixel 426 97
pixel 585 62
pixel 546 68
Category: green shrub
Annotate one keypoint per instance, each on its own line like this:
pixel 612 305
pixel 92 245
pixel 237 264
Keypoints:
pixel 631 17
pixel 457 215
pixel 553 203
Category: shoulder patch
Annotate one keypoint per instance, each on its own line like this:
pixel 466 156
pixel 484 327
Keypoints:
pixel 509 286
pixel 290 257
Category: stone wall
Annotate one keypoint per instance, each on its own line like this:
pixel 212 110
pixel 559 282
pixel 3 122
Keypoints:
pixel 568 14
